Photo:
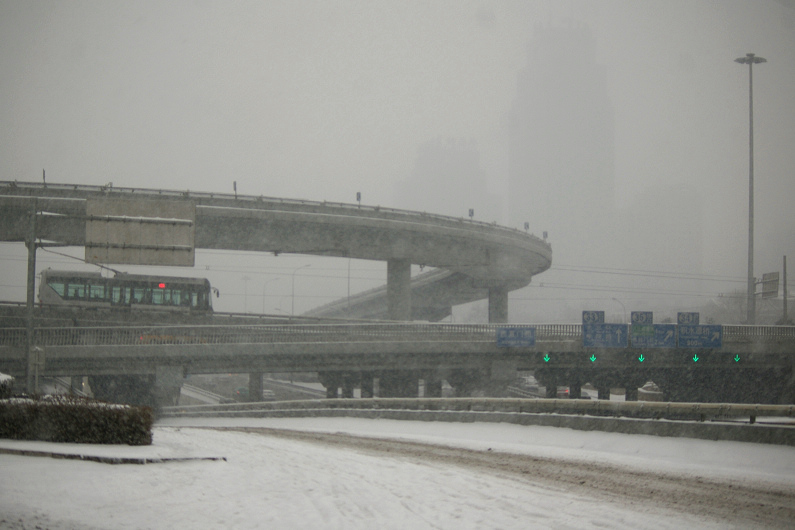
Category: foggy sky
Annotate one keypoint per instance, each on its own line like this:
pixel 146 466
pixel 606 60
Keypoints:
pixel 320 100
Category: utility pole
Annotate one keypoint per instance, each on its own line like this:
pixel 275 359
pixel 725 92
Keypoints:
pixel 785 319
pixel 30 301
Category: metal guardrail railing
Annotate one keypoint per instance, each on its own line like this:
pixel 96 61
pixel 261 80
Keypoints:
pixel 635 409
pixel 316 333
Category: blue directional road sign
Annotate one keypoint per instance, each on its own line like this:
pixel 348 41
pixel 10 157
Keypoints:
pixel 593 317
pixel 516 337
pixel 653 336
pixel 689 319
pixel 604 335
pixel 642 317
pixel 709 336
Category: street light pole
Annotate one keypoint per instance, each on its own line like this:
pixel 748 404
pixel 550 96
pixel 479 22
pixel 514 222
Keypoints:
pixel 750 59
pixel 292 309
pixel 263 292
pixel 622 307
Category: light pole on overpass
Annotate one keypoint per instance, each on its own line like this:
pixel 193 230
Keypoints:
pixel 622 307
pixel 750 59
pixel 292 308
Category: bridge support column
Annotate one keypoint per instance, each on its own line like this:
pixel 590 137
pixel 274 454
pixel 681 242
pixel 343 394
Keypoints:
pixel 501 375
pixel 367 385
pixel 398 289
pixel 631 394
pixel 332 381
pixel 575 390
pixel 498 305
pixel 398 383
pixel 466 382
pixel 603 392
pixel 433 386
pixel 549 380
pixel 348 383
pixel 255 386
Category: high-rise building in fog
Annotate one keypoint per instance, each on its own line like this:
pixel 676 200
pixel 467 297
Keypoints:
pixel 562 145
pixel 562 181
pixel 447 179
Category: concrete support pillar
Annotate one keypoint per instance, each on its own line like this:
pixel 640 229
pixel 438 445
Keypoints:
pixel 549 380
pixel 348 384
pixel 398 384
pixel 332 381
pixel 398 289
pixel 367 385
pixel 603 392
pixel 433 387
pixel 501 375
pixel 466 382
pixel 498 305
pixel 631 394
pixel 255 386
pixel 575 390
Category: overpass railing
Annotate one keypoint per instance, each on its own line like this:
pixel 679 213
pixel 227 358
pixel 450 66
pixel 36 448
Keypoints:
pixel 318 333
pixel 261 201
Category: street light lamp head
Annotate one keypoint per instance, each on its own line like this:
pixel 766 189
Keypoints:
pixel 750 58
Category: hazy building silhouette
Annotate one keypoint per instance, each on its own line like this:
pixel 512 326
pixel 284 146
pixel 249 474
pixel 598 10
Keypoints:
pixel 562 145
pixel 447 179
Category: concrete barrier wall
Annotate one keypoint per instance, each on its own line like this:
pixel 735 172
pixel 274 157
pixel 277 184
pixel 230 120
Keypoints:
pixel 549 413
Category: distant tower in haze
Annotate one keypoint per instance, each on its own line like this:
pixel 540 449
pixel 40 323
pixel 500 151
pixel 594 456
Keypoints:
pixel 447 179
pixel 562 146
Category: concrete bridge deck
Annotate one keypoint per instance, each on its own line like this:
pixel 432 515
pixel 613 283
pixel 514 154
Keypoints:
pixel 455 352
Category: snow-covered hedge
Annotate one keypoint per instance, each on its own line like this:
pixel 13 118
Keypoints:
pixel 70 419
pixel 6 384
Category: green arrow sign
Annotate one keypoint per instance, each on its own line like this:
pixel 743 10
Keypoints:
pixel 737 358
pixel 641 358
pixel 546 358
pixel 592 357
pixel 695 358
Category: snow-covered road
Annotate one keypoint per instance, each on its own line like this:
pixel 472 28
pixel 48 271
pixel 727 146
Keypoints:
pixel 393 479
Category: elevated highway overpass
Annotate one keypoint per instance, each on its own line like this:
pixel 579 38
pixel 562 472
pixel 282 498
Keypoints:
pixel 475 260
pixel 472 261
pixel 754 364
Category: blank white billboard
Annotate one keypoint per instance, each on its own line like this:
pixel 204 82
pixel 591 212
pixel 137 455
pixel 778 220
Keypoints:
pixel 140 232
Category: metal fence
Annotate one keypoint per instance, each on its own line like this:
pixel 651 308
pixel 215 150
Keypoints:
pixel 318 333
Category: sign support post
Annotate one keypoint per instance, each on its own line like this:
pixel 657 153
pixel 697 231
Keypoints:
pixel 30 300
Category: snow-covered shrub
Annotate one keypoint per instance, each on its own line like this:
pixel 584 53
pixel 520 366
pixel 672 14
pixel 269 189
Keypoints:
pixel 6 384
pixel 75 420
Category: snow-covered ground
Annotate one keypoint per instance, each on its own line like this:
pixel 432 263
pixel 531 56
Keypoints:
pixel 275 481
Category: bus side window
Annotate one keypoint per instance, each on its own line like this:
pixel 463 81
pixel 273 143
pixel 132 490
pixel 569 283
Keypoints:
pixel 120 295
pixel 58 287
pixel 137 295
pixel 97 292
pixel 75 291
